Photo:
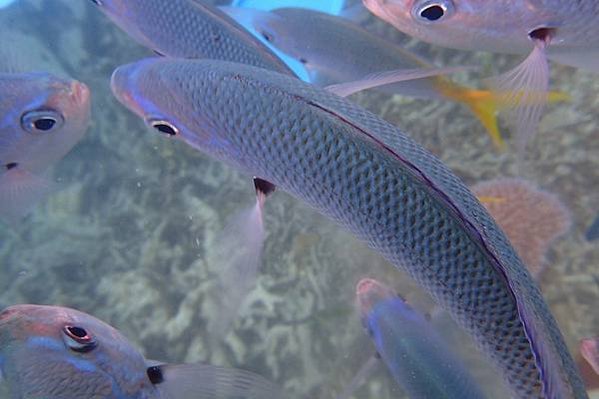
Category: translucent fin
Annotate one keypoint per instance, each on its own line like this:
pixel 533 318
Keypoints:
pixel 19 192
pixel 523 91
pixel 238 258
pixel 202 381
pixel 388 77
pixel 361 376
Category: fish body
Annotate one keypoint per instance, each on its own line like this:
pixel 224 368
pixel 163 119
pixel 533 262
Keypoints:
pixel 593 230
pixel 503 26
pixel 53 352
pixel 189 29
pixel 416 355
pixel 369 176
pixel 41 118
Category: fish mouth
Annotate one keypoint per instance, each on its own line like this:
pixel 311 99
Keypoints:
pixel 369 292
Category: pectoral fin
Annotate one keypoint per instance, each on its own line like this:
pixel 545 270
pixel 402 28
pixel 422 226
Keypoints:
pixel 20 190
pixel 523 92
pixel 202 381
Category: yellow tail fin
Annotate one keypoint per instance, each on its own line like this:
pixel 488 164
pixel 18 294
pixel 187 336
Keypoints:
pixel 485 105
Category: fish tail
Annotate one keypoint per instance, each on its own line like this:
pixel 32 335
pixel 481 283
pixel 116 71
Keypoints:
pixel 482 103
pixel 486 105
pixel 20 190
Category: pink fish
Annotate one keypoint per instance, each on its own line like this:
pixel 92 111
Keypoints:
pixel 41 118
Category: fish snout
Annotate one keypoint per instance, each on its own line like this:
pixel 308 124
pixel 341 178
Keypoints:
pixel 369 292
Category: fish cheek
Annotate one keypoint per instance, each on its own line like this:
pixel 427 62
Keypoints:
pixel 57 377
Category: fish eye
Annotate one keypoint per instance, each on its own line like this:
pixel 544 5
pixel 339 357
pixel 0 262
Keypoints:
pixel 78 339
pixel 432 10
pixel 164 127
pixel 41 121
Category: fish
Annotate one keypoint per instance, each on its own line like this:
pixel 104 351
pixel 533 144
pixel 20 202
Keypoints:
pixel 189 29
pixel 42 117
pixel 371 178
pixel 335 50
pixel 548 29
pixel 533 219
pixel 54 352
pixel 418 358
pixel 593 230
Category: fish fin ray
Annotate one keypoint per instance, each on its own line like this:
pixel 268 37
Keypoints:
pixel 20 190
pixel 238 255
pixel 365 371
pixel 388 77
pixel 523 91
pixel 203 381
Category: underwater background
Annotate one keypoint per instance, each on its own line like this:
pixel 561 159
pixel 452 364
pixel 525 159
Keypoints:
pixel 132 236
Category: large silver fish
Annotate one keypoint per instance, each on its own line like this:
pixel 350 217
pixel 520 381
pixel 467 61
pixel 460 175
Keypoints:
pixel 189 29
pixel 53 352
pixel 563 30
pixel 366 174
pixel 41 118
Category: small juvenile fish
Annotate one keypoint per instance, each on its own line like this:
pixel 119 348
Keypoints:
pixel 417 357
pixel 366 174
pixel 189 29
pixel 54 352
pixel 562 30
pixel 41 118
pixel 531 218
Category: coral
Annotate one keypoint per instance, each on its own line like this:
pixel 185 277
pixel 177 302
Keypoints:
pixel 532 218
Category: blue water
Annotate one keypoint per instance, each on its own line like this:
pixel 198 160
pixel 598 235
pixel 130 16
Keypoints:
pixel 131 234
pixel 6 3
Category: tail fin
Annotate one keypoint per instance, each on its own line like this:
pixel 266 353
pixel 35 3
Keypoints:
pixel 485 105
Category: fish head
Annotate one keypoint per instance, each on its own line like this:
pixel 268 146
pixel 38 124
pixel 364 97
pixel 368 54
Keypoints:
pixel 369 292
pixel 56 352
pixel 497 26
pixel 43 117
pixel 173 97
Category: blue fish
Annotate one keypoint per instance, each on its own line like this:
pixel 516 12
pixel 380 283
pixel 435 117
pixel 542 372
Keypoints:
pixel 417 357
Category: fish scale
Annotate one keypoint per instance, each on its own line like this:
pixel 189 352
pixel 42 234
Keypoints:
pixel 367 175
pixel 190 29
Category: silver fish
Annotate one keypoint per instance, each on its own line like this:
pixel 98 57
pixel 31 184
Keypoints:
pixel 366 174
pixel 53 352
pixel 41 118
pixel 189 29
pixel 334 50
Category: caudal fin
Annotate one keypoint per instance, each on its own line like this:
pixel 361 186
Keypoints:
pixel 486 105
pixel 19 192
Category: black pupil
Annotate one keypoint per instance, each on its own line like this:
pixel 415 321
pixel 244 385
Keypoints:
pixel 155 375
pixel 166 129
pixel 44 124
pixel 77 332
pixel 432 13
